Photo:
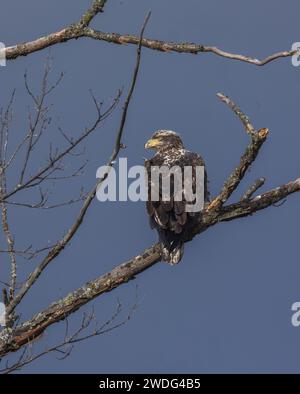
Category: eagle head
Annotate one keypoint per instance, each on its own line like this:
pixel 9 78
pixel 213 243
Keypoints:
pixel 163 140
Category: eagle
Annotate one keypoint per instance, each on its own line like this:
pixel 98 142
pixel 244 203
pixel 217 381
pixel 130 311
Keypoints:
pixel 170 218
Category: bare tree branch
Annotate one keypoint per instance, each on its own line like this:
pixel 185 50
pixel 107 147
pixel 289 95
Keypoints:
pixel 12 255
pixel 82 29
pixel 257 139
pixel 181 47
pixel 37 125
pixel 22 335
pixel 43 173
pixel 90 197
pixel 5 120
pixel 81 334
pixel 253 188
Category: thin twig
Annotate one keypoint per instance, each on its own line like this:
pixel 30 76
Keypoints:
pixel 65 346
pixel 253 188
pixel 239 113
pixel 42 174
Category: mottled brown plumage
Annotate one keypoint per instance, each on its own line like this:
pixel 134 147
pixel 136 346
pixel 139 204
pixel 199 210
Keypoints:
pixel 170 218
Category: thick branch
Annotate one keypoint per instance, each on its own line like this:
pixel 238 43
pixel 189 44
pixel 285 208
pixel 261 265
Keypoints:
pixel 61 309
pixel 75 30
pixel 262 201
pixel 82 29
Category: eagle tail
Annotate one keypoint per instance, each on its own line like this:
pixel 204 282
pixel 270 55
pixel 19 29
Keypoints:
pixel 172 254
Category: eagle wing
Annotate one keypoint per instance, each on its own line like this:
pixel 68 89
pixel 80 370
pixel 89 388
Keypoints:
pixel 170 217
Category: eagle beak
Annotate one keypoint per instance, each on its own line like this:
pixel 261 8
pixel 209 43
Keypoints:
pixel 152 143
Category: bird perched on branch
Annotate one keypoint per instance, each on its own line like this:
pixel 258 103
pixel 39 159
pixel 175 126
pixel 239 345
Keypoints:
pixel 170 217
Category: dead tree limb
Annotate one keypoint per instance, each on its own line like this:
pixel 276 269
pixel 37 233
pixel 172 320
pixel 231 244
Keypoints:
pixel 82 29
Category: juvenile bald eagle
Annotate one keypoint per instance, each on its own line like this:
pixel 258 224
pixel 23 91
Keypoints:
pixel 170 218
